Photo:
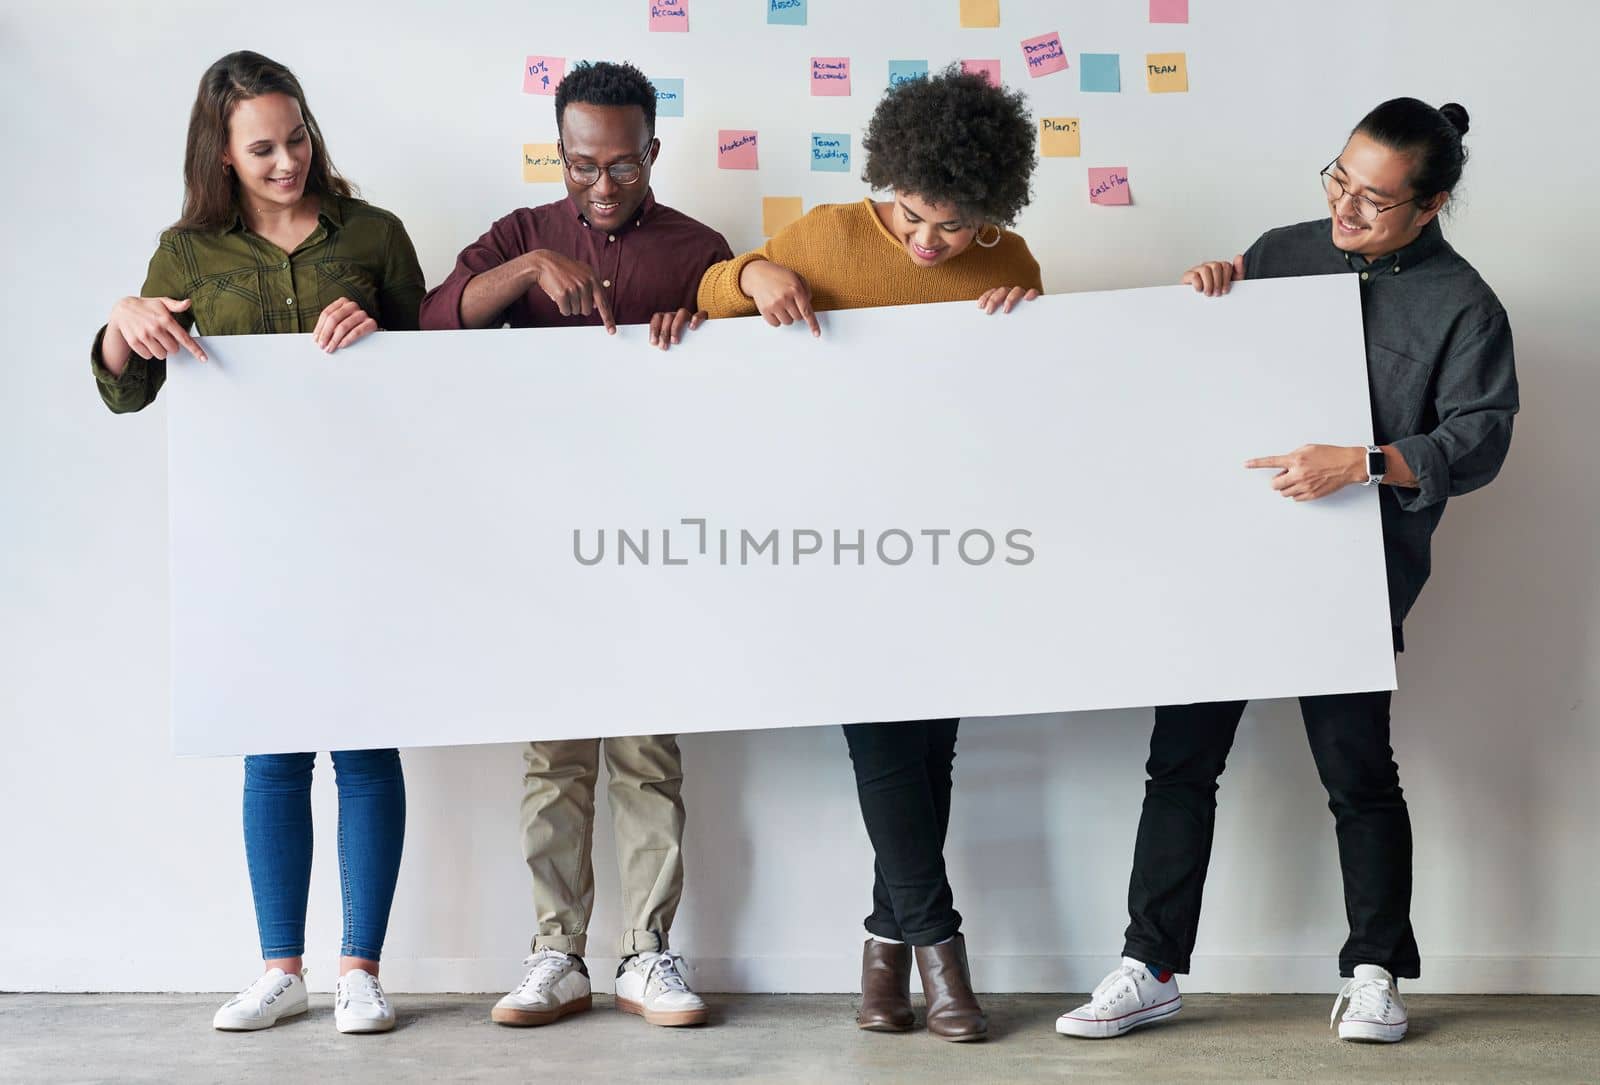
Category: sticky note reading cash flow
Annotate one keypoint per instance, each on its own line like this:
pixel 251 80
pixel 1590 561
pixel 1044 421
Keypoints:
pixel 777 212
pixel 669 97
pixel 989 69
pixel 903 71
pixel 830 152
pixel 1058 137
pixel 1044 54
pixel 1108 185
pixel 1169 11
pixel 830 76
pixel 980 13
pixel 1100 72
pixel 669 16
pixel 540 162
pixel 1166 73
pixel 542 75
pixel 736 149
pixel 786 12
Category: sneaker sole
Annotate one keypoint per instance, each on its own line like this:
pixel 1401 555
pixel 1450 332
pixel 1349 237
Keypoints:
pixel 665 1018
pixel 1109 1030
pixel 256 1025
pixel 356 1028
pixel 1365 1032
pixel 530 1018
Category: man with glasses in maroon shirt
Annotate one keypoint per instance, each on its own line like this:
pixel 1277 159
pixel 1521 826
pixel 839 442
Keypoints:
pixel 607 254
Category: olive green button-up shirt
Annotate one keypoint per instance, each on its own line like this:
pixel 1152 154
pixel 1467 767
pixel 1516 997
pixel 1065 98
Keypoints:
pixel 242 284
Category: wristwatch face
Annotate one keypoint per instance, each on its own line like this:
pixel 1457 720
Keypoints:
pixel 1375 463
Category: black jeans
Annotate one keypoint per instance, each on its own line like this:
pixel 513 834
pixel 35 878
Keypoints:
pixel 1349 736
pixel 903 776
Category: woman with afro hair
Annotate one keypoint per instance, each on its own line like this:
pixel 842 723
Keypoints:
pixel 955 154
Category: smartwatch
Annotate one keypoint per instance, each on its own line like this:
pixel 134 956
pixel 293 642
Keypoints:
pixel 1376 465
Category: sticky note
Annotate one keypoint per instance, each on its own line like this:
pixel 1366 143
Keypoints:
pixel 903 71
pixel 540 162
pixel 542 75
pixel 1169 11
pixel 669 97
pixel 670 16
pixel 786 12
pixel 1166 73
pixel 1100 72
pixel 777 212
pixel 1044 54
pixel 736 149
pixel 830 152
pixel 1108 185
pixel 830 76
pixel 989 69
pixel 1058 137
pixel 980 13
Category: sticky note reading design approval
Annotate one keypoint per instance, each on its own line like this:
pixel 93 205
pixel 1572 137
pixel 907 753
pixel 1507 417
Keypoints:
pixel 736 149
pixel 1058 137
pixel 1166 73
pixel 1044 54
pixel 540 162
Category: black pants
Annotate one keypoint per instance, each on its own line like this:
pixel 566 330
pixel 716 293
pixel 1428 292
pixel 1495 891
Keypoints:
pixel 1349 736
pixel 903 774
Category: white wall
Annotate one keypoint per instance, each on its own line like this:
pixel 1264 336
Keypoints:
pixel 122 866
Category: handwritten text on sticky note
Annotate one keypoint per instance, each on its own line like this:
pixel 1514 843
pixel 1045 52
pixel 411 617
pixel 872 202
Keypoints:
pixel 541 75
pixel 1166 73
pixel 670 16
pixel 830 152
pixel 903 71
pixel 540 162
pixel 1044 54
pixel 1108 185
pixel 669 97
pixel 736 149
pixel 830 76
pixel 786 12
pixel 980 13
pixel 1058 137
pixel 1169 11
pixel 989 69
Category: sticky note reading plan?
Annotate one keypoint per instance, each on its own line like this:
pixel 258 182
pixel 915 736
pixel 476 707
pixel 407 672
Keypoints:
pixel 1108 185
pixel 786 12
pixel 540 162
pixel 542 75
pixel 830 152
pixel 1058 137
pixel 1044 54
pixel 736 149
pixel 669 16
pixel 830 76
pixel 1167 73
pixel 980 13
pixel 989 69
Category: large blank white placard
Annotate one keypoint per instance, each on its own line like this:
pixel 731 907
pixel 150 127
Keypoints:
pixel 382 547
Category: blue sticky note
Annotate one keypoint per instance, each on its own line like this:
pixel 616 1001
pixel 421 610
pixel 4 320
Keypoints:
pixel 902 70
pixel 830 152
pixel 669 97
pixel 786 12
pixel 1100 71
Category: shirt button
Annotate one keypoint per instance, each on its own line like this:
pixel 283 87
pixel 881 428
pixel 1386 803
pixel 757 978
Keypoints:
pixel 290 301
pixel 284 264
pixel 1365 276
pixel 611 237
pixel 606 283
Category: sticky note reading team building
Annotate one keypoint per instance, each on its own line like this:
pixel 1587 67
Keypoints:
pixel 1058 137
pixel 903 71
pixel 540 162
pixel 830 152
pixel 541 75
pixel 1044 54
pixel 989 69
pixel 669 97
pixel 786 12
pixel 670 16
pixel 777 212
pixel 1108 185
pixel 980 13
pixel 830 76
pixel 1167 73
pixel 736 149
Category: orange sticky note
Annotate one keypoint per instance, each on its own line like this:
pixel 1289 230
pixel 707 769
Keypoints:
pixel 1166 73
pixel 540 162
pixel 980 13
pixel 777 212
pixel 1058 137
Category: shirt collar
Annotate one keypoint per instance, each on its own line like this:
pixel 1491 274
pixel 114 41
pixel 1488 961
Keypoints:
pixel 1428 243
pixel 645 207
pixel 330 214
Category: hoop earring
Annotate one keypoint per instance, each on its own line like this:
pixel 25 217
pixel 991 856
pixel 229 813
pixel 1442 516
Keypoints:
pixel 998 234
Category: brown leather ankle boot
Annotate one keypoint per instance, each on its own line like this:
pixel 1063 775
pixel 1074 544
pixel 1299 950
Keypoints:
pixel 885 988
pixel 953 1010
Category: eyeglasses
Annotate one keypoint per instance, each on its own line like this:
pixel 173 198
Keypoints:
pixel 1366 208
pixel 623 173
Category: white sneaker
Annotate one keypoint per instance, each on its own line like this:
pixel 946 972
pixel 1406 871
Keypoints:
pixel 652 986
pixel 1127 998
pixel 359 1005
pixel 277 994
pixel 1375 1013
pixel 555 985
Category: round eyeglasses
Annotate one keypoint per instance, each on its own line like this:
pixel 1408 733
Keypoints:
pixel 1366 208
pixel 623 173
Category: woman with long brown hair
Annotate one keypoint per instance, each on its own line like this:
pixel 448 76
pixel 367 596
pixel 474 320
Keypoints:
pixel 273 240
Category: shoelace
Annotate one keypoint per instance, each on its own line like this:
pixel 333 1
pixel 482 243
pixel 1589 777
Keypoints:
pixel 544 968
pixel 1368 998
pixel 1123 981
pixel 258 990
pixel 664 970
pixel 364 989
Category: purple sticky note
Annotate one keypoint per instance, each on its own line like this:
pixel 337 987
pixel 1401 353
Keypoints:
pixel 989 69
pixel 1108 185
pixel 1044 54
pixel 671 16
pixel 1169 11
pixel 736 149
pixel 542 75
pixel 830 76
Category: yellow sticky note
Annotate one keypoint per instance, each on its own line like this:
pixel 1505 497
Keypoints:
pixel 1166 73
pixel 540 162
pixel 777 212
pixel 1058 137
pixel 979 13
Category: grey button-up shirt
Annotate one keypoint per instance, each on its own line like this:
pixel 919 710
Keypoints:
pixel 1441 372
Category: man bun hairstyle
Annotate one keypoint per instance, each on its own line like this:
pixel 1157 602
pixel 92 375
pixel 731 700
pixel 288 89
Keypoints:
pixel 1432 137
pixel 606 83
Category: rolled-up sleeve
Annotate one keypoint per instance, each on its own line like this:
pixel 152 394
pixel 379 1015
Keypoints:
pixel 136 387
pixel 441 306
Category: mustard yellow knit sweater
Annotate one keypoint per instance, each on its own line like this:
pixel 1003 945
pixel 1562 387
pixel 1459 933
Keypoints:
pixel 851 261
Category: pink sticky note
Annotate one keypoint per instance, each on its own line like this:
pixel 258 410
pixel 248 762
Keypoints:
pixel 671 16
pixel 989 69
pixel 1044 54
pixel 1108 185
pixel 542 75
pixel 736 149
pixel 1169 11
pixel 830 76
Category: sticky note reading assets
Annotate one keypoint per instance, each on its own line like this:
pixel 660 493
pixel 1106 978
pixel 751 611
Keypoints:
pixel 1058 137
pixel 1044 54
pixel 736 149
pixel 1108 185
pixel 777 212
pixel 540 162
pixel 542 75
pixel 1166 73
pixel 830 76
pixel 670 16
pixel 989 69
pixel 830 152
pixel 786 12
pixel 980 13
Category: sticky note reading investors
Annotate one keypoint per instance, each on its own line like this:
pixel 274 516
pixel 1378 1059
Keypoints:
pixel 786 12
pixel 980 13
pixel 1100 72
pixel 1044 54
pixel 541 75
pixel 1108 185
pixel 540 162
pixel 989 69
pixel 830 76
pixel 671 16
pixel 1058 137
pixel 669 97
pixel 1167 73
pixel 903 71
pixel 736 149
pixel 777 212
pixel 830 152
pixel 1169 11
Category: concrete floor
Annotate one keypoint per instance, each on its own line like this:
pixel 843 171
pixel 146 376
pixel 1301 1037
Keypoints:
pixel 794 1038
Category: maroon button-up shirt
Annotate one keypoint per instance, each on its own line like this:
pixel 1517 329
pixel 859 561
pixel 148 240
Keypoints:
pixel 651 265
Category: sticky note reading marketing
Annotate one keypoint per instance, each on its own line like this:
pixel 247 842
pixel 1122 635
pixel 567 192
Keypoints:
pixel 540 162
pixel 542 75
pixel 830 76
pixel 1166 73
pixel 777 212
pixel 989 69
pixel 1044 54
pixel 1058 137
pixel 669 97
pixel 1169 11
pixel 786 12
pixel 980 13
pixel 736 149
pixel 670 16
pixel 830 152
pixel 1100 72
pixel 1108 185
pixel 903 71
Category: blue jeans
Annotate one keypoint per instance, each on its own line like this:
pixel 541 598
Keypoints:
pixel 277 845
